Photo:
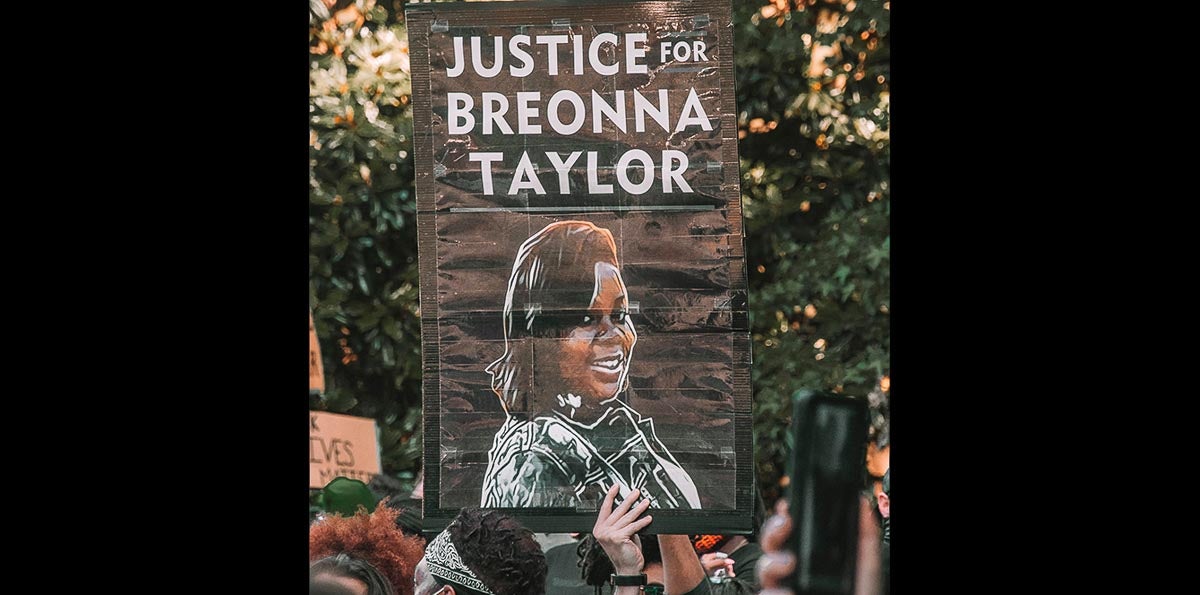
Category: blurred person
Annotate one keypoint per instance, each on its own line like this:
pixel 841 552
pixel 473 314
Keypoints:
pixel 569 433
pixel 482 552
pixel 729 561
pixel 717 565
pixel 344 496
pixel 373 538
pixel 616 531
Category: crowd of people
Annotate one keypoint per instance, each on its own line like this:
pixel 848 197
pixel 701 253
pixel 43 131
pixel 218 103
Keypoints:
pixel 488 552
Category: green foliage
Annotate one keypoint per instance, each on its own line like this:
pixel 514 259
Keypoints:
pixel 362 218
pixel 814 121
pixel 815 187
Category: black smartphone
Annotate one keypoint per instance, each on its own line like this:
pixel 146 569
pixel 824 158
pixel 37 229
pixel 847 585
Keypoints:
pixel 829 449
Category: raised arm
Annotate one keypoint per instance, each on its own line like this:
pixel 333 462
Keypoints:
pixel 616 532
pixel 681 566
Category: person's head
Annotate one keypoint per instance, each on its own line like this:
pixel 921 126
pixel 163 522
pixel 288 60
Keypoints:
pixel 328 586
pixel 344 573
pixel 568 338
pixel 371 539
pixel 482 552
pixel 884 498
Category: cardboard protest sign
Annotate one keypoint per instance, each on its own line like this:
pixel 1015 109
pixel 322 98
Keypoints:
pixel 341 446
pixel 583 283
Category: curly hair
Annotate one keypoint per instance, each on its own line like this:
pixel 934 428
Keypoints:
pixel 372 537
pixel 500 551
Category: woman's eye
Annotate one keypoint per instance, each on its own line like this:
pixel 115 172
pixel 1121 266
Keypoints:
pixel 587 319
pixel 619 316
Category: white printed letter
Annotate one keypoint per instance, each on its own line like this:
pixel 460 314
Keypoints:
pixel 495 116
pixel 562 167
pixel 460 108
pixel 525 177
pixel 671 156
pixel 690 106
pixel 486 158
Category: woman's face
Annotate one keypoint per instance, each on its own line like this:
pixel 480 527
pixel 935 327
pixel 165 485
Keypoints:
pixel 594 351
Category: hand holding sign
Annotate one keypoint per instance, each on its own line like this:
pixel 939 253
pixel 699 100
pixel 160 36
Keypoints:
pixel 616 531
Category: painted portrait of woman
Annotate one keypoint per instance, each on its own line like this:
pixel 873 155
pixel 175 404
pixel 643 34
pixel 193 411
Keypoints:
pixel 570 433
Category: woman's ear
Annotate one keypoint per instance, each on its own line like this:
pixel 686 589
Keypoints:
pixel 885 505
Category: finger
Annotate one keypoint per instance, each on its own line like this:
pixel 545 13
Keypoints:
pixel 774 568
pixel 624 506
pixel 628 502
pixel 775 532
pixel 606 507
pixel 631 529
pixel 868 529
pixel 714 560
pixel 869 571
pixel 634 513
pixel 729 568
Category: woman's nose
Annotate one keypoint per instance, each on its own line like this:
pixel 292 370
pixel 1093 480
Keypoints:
pixel 607 326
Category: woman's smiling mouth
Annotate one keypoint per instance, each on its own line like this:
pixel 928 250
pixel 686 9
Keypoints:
pixel 611 363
